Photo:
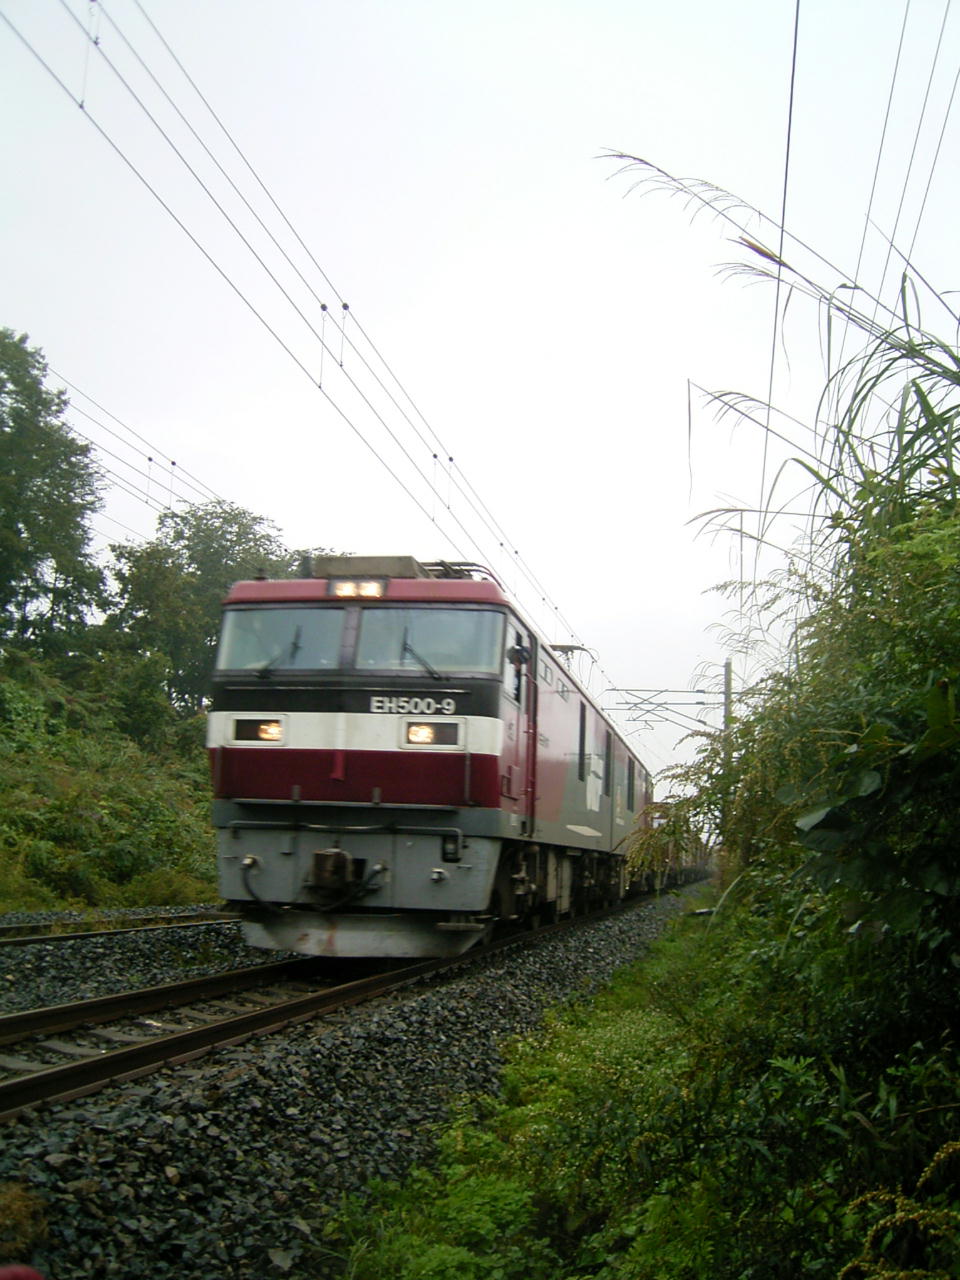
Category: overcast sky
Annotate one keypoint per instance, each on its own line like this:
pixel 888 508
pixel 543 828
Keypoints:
pixel 440 167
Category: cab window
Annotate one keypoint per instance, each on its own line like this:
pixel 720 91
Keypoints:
pixel 280 639
pixel 437 641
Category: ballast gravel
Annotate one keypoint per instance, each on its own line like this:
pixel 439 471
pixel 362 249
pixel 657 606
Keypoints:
pixel 37 974
pixel 223 1168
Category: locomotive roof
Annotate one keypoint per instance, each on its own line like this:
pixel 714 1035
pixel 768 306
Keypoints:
pixel 439 590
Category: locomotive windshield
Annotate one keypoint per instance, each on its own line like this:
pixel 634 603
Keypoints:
pixel 438 641
pixel 264 639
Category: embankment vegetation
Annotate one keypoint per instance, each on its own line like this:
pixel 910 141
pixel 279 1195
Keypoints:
pixel 776 1092
pixel 761 1098
pixel 104 663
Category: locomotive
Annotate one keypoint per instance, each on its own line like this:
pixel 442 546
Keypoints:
pixel 400 763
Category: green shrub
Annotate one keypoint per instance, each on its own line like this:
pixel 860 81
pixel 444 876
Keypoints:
pixel 166 887
pixel 717 1111
pixel 86 815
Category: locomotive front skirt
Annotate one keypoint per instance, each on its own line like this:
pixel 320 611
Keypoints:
pixel 399 762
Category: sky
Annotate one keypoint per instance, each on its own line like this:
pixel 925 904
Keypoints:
pixel 518 301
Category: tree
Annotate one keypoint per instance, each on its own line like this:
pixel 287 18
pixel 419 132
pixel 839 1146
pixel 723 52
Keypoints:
pixel 171 588
pixel 49 489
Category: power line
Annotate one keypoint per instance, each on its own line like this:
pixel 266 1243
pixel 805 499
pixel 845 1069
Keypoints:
pixel 438 446
pixel 103 515
pixel 393 436
pixel 933 165
pixel 783 219
pixel 124 483
pixel 913 150
pixel 154 449
pixel 235 146
pixel 479 506
pixel 876 167
pixel 146 456
pixel 220 271
pixel 344 415
pixel 123 462
pixel 714 200
pixel 266 229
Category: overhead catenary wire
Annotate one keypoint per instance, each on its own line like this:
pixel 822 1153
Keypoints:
pixel 345 307
pixel 286 221
pixel 124 483
pixel 876 167
pixel 425 478
pixel 714 201
pixel 103 515
pixel 933 167
pixel 123 462
pixel 155 450
pixel 779 276
pixel 455 471
pixel 914 147
pixel 220 271
pixel 149 457
pixel 466 488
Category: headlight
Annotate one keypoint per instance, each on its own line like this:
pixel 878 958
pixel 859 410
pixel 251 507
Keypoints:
pixel 436 733
pixel 257 731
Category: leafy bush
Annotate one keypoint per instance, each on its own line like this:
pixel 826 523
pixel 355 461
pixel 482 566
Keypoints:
pixel 723 1109
pixel 86 815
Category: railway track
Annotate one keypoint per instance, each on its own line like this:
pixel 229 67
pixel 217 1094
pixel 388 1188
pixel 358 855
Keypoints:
pixel 37 1065
pixel 20 935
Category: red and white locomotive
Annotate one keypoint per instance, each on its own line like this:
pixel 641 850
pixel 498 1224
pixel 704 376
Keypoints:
pixel 399 762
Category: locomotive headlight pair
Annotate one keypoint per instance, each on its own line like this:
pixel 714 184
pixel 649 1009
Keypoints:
pixel 347 589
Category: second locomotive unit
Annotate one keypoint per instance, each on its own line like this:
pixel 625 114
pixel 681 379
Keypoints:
pixel 399 762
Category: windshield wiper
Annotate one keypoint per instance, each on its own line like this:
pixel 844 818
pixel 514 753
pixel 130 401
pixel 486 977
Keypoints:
pixel 407 647
pixel 293 648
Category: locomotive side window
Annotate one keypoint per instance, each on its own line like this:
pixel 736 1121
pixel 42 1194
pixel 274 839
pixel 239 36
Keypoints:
pixel 280 639
pixel 582 744
pixel 607 762
pixel 436 641
pixel 631 785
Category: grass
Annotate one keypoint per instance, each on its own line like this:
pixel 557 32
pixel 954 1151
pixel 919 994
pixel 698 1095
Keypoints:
pixel 725 1108
pixel 23 1223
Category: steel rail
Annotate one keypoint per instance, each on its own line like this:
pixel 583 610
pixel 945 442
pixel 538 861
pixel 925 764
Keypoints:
pixel 74 1079
pixel 64 1017
pixel 14 935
